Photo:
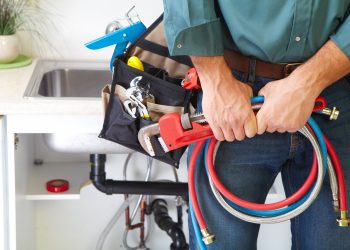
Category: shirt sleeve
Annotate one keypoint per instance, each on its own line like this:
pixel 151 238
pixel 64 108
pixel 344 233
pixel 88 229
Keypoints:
pixel 192 28
pixel 342 35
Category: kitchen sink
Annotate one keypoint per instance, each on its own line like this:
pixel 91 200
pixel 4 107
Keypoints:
pixel 68 80
pixel 88 143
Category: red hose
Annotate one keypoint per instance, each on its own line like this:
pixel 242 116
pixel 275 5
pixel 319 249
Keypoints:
pixel 191 185
pixel 320 103
pixel 256 206
pixel 340 175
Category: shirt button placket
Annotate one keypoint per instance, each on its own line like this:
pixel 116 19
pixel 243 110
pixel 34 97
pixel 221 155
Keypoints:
pixel 302 17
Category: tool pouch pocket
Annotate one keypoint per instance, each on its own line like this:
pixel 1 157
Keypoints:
pixel 162 74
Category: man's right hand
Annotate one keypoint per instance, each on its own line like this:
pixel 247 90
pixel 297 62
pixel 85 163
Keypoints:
pixel 226 101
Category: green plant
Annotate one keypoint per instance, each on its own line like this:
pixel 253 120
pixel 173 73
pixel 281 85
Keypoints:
pixel 12 15
pixel 29 17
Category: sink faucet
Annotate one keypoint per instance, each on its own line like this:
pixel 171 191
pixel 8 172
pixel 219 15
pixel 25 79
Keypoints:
pixel 117 24
pixel 113 26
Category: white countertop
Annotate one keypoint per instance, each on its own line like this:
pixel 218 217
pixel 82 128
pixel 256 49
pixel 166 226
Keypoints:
pixel 13 83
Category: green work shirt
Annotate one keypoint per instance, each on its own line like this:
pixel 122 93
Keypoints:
pixel 278 31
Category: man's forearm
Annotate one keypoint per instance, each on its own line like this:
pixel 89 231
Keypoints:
pixel 327 66
pixel 299 90
pixel 226 101
pixel 209 67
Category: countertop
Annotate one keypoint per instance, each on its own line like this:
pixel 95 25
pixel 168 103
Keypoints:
pixel 13 83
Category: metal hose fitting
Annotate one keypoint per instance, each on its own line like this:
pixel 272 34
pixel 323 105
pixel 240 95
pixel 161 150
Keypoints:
pixel 208 238
pixel 332 113
pixel 344 220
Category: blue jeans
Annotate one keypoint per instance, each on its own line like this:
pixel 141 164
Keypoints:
pixel 249 167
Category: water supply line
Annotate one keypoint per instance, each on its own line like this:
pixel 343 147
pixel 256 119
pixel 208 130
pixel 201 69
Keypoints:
pixel 141 203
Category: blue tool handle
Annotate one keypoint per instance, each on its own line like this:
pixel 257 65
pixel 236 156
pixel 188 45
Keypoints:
pixel 118 50
pixel 127 34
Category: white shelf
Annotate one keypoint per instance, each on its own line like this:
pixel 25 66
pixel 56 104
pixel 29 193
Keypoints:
pixel 76 173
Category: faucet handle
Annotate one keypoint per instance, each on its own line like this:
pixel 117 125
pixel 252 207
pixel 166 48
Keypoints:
pixel 117 24
pixel 113 26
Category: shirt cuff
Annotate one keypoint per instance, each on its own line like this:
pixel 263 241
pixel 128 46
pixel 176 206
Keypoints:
pixel 200 40
pixel 342 37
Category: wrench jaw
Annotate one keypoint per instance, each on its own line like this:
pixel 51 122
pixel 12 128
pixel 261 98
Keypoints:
pixel 149 145
pixel 172 134
pixel 144 137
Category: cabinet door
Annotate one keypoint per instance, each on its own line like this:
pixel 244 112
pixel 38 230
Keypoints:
pixel 3 188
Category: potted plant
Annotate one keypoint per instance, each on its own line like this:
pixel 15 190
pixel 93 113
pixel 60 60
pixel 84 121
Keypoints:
pixel 15 16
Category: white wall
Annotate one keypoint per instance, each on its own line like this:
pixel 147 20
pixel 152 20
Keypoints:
pixel 73 23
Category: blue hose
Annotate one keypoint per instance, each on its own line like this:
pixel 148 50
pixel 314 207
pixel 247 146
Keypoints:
pixel 195 225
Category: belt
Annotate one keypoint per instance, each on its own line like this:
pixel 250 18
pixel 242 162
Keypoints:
pixel 265 69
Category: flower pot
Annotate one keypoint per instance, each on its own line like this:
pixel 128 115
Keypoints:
pixel 9 48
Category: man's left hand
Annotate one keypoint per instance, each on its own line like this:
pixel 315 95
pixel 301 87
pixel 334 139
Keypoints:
pixel 288 105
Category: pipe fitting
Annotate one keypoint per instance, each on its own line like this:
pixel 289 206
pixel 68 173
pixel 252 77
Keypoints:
pixel 344 220
pixel 207 237
pixel 332 113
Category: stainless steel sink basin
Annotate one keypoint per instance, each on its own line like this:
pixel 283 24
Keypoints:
pixel 82 143
pixel 65 79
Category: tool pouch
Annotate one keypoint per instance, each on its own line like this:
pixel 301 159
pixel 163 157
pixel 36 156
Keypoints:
pixel 162 74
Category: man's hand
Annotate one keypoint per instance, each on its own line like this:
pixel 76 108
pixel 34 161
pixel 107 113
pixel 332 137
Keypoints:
pixel 289 102
pixel 226 101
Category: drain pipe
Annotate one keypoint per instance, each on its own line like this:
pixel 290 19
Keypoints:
pixel 165 222
pixel 107 186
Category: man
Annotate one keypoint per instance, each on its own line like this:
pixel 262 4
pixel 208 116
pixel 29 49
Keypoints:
pixel 290 52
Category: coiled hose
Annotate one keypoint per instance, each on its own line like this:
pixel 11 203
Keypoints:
pixel 274 212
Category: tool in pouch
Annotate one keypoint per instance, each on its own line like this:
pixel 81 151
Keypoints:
pixel 121 38
pixel 138 97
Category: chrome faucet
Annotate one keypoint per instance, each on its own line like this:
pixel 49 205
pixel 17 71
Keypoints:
pixel 122 22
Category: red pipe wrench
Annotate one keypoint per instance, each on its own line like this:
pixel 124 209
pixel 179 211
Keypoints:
pixel 174 131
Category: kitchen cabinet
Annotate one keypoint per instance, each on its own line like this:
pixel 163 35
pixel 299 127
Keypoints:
pixel 26 174
pixel 40 220
pixel 3 202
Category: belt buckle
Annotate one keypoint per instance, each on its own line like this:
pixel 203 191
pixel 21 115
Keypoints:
pixel 289 68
